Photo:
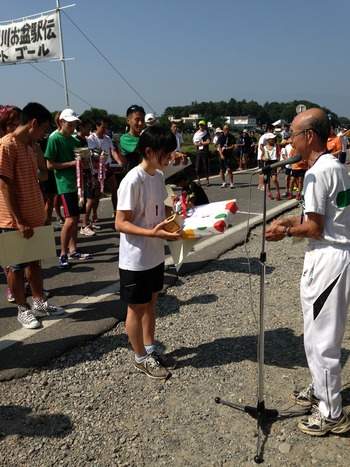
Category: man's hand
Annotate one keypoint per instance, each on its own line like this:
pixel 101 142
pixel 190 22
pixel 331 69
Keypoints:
pixel 25 230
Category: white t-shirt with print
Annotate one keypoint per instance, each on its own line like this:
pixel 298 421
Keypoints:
pixel 105 144
pixel 324 192
pixel 144 195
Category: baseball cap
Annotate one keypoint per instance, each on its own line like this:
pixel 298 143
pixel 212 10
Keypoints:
pixel 150 118
pixel 69 116
pixel 201 122
pixel 218 130
pixel 270 136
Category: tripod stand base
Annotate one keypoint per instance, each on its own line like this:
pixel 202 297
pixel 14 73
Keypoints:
pixel 263 416
pixel 260 410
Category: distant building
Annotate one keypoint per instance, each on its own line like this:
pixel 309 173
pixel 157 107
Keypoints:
pixel 246 122
pixel 192 119
pixel 172 118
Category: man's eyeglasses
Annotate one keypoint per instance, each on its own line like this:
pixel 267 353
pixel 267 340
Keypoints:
pixel 292 135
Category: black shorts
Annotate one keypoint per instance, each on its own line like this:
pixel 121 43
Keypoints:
pixel 70 205
pixel 288 171
pixel 298 173
pixel 138 286
pixel 224 163
pixel 270 162
pixel 49 187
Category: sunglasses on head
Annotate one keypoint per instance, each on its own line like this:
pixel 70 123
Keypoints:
pixel 7 109
pixel 134 108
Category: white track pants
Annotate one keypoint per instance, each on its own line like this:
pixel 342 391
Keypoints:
pixel 325 299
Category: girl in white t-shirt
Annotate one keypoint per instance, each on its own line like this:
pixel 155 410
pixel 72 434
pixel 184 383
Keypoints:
pixel 140 219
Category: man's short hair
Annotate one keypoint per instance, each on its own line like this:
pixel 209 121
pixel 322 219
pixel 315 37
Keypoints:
pixel 37 111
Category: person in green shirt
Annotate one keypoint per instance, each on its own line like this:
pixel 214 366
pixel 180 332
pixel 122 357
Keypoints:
pixel 61 159
pixel 135 118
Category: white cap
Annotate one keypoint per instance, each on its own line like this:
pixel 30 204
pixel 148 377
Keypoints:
pixel 270 136
pixel 150 118
pixel 69 116
pixel 218 130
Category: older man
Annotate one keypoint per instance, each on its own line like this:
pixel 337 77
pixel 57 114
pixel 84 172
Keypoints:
pixel 325 282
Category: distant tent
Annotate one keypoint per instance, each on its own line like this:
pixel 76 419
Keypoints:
pixel 280 122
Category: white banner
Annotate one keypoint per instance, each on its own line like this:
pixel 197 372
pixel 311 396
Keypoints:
pixel 29 40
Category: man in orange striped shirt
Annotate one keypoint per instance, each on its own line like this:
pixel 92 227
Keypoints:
pixel 22 206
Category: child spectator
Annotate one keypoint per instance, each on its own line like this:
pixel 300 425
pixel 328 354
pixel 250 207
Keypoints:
pixel 195 195
pixel 271 155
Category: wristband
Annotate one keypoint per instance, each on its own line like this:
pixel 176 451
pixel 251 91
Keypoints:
pixel 287 233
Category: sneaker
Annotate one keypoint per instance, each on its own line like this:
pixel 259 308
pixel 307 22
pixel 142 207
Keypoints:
pixel 95 219
pixel 305 397
pixel 223 185
pixel 165 361
pixel 290 196
pixel 28 291
pixel 60 220
pixel 278 197
pixel 298 197
pixel 319 425
pixel 270 196
pixel 26 317
pixel 63 262
pixel 43 306
pixel 232 186
pixel 151 367
pixel 10 297
pixel 87 231
pixel 286 194
pixel 94 226
pixel 78 254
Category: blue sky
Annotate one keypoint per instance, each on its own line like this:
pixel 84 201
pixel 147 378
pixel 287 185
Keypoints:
pixel 174 53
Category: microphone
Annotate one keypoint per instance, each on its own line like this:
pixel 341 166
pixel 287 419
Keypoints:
pixel 282 163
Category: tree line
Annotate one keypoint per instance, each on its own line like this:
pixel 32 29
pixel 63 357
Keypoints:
pixel 214 112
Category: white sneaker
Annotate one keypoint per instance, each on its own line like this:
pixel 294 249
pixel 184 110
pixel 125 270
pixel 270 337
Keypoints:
pixel 87 231
pixel 232 186
pixel 94 226
pixel 223 185
pixel 26 317
pixel 46 307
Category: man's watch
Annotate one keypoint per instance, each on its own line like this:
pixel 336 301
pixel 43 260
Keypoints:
pixel 286 233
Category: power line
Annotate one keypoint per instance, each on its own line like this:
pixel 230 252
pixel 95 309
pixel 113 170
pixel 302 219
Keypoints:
pixel 52 79
pixel 111 65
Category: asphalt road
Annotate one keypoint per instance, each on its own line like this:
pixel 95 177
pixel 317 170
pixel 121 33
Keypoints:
pixel 89 289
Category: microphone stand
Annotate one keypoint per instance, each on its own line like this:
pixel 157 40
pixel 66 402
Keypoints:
pixel 263 415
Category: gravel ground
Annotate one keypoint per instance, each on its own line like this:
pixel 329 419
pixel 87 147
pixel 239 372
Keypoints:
pixel 91 408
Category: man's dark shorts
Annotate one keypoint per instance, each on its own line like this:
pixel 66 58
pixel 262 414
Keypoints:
pixel 137 287
pixel 298 173
pixel 70 205
pixel 225 163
